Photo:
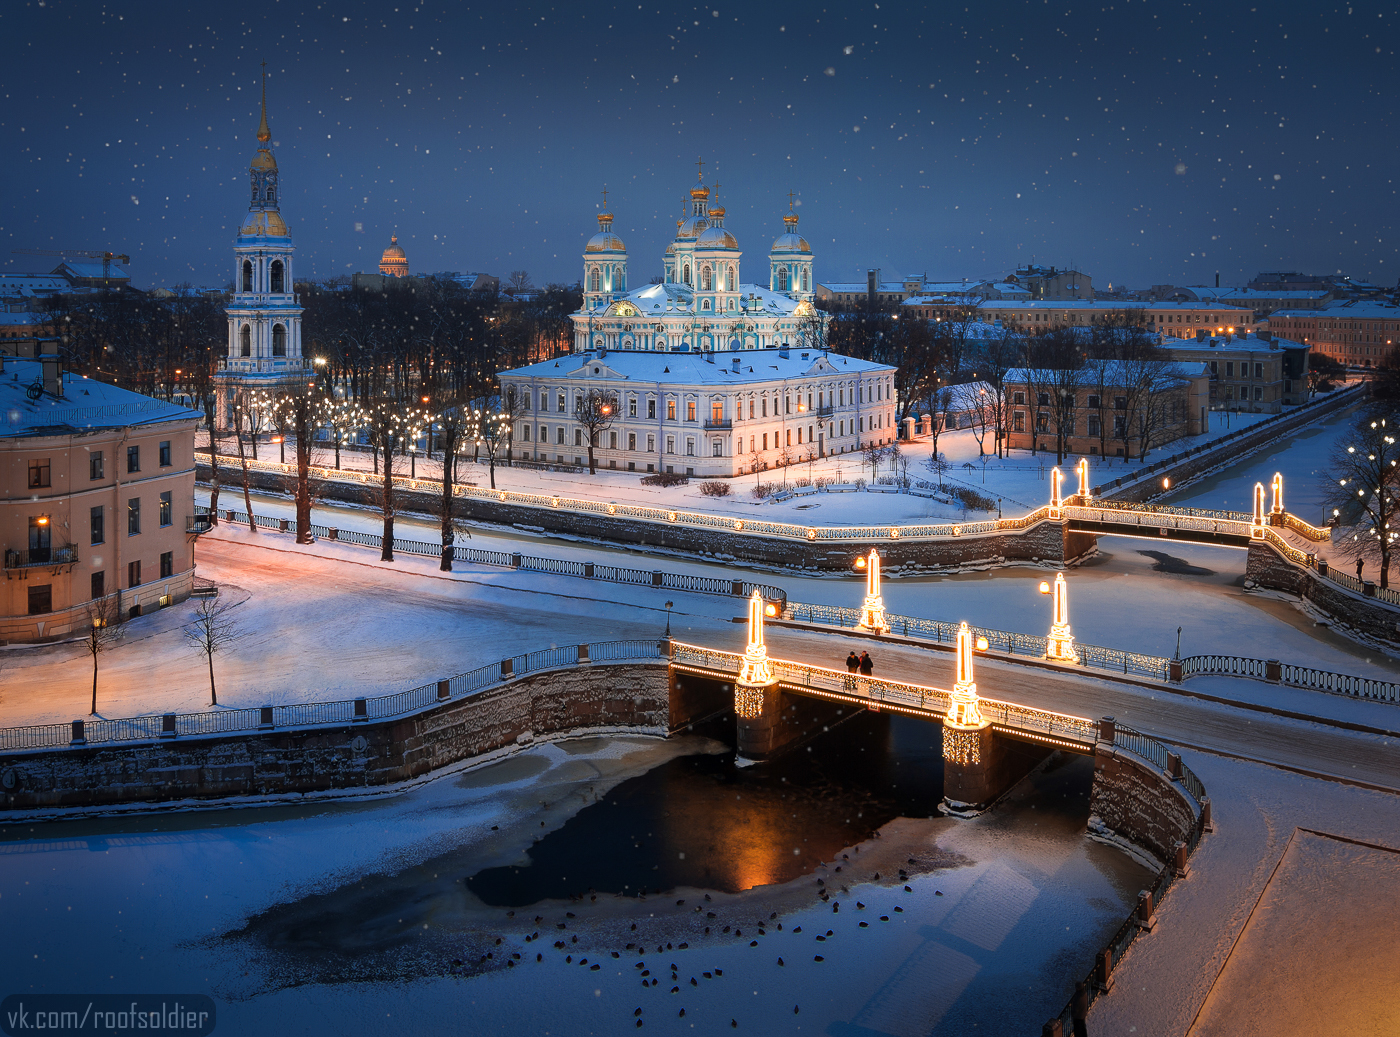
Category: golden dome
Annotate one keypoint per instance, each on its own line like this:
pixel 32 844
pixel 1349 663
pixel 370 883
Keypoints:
pixel 263 160
pixel 717 213
pixel 790 218
pixel 394 263
pixel 716 237
pixel 264 223
pixel 699 192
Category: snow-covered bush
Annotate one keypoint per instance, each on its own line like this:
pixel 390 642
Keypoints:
pixel 715 488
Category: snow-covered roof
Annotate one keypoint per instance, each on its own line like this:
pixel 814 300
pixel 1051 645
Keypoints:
pixel 1249 343
pixel 91 270
pixel 1094 304
pixel 858 287
pixel 647 367
pixel 25 320
pixel 1182 370
pixel 29 285
pixel 1347 309
pixel 656 300
pixel 86 404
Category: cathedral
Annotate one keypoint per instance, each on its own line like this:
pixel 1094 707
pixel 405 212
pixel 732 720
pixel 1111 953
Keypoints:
pixel 701 304
pixel 264 318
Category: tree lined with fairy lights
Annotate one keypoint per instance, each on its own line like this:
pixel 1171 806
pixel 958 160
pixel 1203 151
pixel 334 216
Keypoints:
pixel 595 411
pixel 392 422
pixel 1368 488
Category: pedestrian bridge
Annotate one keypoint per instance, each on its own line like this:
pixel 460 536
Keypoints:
pixel 1060 730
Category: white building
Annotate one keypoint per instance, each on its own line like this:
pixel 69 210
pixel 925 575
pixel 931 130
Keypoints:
pixel 702 303
pixel 264 318
pixel 703 414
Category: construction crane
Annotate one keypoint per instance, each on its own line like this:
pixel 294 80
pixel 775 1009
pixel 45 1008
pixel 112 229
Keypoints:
pixel 108 258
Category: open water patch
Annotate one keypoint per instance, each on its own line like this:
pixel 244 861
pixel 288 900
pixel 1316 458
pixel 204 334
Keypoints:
pixel 1177 566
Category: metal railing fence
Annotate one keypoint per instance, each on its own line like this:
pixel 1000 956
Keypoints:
pixel 314 714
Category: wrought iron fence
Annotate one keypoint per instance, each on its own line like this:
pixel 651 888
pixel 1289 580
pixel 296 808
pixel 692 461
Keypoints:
pixel 1294 676
pixel 314 714
pixel 1005 641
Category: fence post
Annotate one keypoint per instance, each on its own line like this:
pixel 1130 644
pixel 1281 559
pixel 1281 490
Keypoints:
pixel 265 719
pixel 78 737
pixel 1368 589
pixel 1179 868
pixel 1322 567
pixel 444 690
pixel 588 570
pixel 332 534
pixel 1108 730
pixel 167 726
pixel 1174 671
pixel 361 711
pixel 1273 671
pixel 1174 766
pixel 282 526
pixel 1206 824
pixel 228 516
pixel 737 588
pixel 515 561
pixel 656 579
pixel 1105 970
pixel 507 667
pixel 1144 917
pixel 583 654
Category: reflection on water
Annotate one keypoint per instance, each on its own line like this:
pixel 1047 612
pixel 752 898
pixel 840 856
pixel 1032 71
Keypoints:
pixel 701 821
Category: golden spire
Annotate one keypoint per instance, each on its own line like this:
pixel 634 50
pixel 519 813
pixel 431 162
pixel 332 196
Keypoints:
pixel 264 134
pixel 790 217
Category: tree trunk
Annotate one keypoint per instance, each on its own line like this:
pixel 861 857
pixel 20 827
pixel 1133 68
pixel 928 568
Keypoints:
pixel 449 535
pixel 93 711
pixel 213 693
pixel 337 449
pixel 303 490
pixel 213 479
pixel 492 462
pixel 387 554
pixel 247 494
pixel 592 468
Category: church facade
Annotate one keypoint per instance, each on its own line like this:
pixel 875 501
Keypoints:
pixel 264 317
pixel 702 304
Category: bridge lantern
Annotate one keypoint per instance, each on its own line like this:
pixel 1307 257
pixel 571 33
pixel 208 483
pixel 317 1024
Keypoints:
pixel 755 672
pixel 1056 503
pixel 1060 644
pixel 963 711
pixel 1258 521
pixel 1083 469
pixel 872 614
pixel 1278 493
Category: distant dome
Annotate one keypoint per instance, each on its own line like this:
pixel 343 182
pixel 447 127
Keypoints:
pixel 394 263
pixel 692 227
pixel 716 237
pixel 791 243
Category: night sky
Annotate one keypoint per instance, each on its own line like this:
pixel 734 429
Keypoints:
pixel 1142 142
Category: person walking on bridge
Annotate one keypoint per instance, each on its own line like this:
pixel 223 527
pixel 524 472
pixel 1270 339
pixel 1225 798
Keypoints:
pixel 867 667
pixel 1360 564
pixel 852 662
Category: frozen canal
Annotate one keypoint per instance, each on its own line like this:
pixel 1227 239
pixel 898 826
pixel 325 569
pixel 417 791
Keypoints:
pixel 317 919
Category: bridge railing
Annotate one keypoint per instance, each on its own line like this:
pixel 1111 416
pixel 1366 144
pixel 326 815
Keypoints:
pixel 878 692
pixel 1161 519
pixel 1389 595
pixel 1103 504
pixel 86 733
pixel 940 632
pixel 1292 675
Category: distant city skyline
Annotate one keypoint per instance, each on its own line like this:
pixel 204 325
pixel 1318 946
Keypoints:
pixel 1139 145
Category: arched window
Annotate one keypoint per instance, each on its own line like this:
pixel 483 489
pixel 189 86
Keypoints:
pixel 705 279
pixel 596 280
pixel 705 305
pixel 279 340
pixel 277 276
pixel 782 279
pixel 247 275
pixel 731 305
pixel 245 338
pixel 806 286
pixel 686 275
pixel 621 280
pixel 731 281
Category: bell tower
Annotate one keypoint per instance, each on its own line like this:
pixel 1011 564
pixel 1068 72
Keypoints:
pixel 264 318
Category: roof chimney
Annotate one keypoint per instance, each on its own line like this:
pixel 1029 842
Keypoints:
pixel 734 363
pixel 53 376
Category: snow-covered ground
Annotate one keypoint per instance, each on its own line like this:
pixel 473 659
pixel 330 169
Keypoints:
pixel 1021 480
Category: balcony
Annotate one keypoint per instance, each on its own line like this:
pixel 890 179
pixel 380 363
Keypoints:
pixel 40 557
pixel 718 423
pixel 197 524
pixel 824 412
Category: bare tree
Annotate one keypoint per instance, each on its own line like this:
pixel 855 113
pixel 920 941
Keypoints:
pixel 980 410
pixel 871 457
pixel 241 400
pixel 494 429
pixel 457 423
pixel 940 404
pixel 104 631
pixel 1367 491
pixel 213 628
pixel 298 410
pixel 595 411
pixel 391 422
pixel 341 416
pixel 519 281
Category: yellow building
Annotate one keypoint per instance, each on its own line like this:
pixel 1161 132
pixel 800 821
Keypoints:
pixel 393 263
pixel 98 491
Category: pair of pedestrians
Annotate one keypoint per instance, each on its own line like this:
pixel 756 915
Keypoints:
pixel 861 664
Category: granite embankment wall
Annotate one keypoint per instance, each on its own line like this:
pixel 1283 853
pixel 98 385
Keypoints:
pixel 354 756
pixel 1267 568
pixel 1042 542
pixel 1141 803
